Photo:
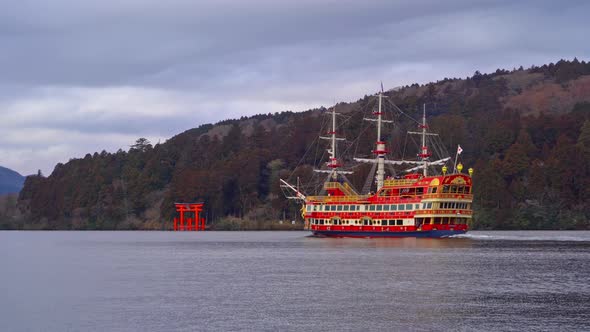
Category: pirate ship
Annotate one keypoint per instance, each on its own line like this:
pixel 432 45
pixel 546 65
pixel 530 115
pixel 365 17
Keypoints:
pixel 426 199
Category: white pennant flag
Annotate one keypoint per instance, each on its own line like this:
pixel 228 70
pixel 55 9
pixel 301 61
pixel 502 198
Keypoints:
pixel 459 150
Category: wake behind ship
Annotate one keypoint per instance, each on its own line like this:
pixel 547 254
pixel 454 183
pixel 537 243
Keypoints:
pixel 414 202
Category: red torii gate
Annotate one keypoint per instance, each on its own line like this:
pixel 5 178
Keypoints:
pixel 189 224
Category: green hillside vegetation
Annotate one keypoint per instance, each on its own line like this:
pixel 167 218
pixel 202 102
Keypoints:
pixel 526 132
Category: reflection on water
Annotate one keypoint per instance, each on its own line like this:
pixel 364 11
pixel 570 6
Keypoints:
pixel 218 281
pixel 407 242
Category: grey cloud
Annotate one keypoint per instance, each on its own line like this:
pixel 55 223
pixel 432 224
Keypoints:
pixel 133 68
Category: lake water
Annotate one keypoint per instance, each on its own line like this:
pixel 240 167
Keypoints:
pixel 268 281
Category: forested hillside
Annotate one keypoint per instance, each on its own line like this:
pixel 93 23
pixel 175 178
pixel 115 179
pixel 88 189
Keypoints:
pixel 526 132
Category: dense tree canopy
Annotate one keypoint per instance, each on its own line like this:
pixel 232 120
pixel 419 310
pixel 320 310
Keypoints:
pixel 532 168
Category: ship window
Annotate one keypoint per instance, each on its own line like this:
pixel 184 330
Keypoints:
pixel 434 190
pixel 372 208
pixel 445 221
pixel 333 207
pixel 339 207
pixel 386 207
pixel 377 223
pixel 346 207
pixel 445 189
pixel 408 206
pixel 379 207
pixel 393 207
pixel 437 221
pixel 453 189
pixel 417 206
pixel 429 205
pixel 399 222
pixel 321 221
pixel 467 190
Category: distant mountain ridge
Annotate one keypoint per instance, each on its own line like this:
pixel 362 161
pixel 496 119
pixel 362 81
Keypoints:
pixel 10 181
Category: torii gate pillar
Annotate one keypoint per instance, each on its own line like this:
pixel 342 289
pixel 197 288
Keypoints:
pixel 189 224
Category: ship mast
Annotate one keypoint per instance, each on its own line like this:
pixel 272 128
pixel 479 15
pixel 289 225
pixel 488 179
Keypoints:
pixel 424 154
pixel 333 159
pixel 333 162
pixel 380 148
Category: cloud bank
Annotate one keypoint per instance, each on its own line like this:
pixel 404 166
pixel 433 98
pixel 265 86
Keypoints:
pixel 85 76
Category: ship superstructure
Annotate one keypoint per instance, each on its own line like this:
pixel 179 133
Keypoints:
pixel 413 204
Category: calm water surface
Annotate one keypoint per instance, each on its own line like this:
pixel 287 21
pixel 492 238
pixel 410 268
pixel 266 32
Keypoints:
pixel 267 281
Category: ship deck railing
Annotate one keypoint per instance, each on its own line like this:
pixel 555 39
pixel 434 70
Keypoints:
pixel 344 187
pixel 399 182
pixel 338 199
pixel 445 212
pixel 448 196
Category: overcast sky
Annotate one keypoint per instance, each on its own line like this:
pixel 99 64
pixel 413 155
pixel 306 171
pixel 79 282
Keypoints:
pixel 82 76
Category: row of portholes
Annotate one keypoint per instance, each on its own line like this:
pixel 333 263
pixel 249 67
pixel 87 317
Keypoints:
pixel 361 208
pixel 362 222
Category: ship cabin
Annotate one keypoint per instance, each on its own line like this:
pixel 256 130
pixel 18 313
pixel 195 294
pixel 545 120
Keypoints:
pixel 411 203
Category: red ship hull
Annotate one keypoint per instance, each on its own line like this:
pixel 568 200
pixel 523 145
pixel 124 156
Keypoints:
pixel 429 231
